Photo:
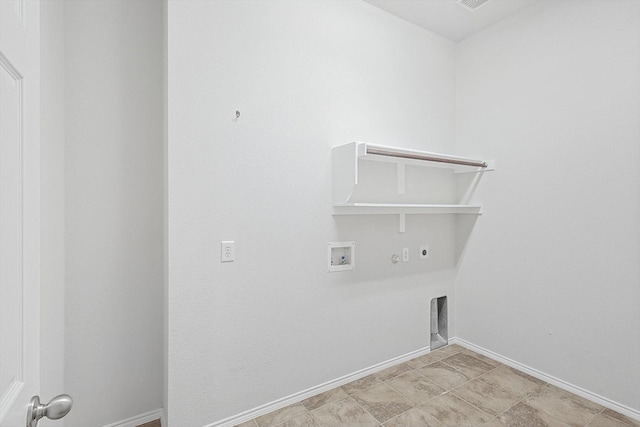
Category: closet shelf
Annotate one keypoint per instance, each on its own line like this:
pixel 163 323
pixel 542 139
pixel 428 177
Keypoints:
pixel 345 164
pixel 400 208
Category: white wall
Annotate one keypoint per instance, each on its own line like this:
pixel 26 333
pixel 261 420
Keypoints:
pixel 550 276
pixel 52 274
pixel 305 76
pixel 113 159
pixel 165 217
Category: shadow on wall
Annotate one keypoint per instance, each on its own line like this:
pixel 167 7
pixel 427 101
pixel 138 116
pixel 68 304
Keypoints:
pixel 464 227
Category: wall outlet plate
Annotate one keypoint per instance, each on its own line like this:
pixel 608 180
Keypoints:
pixel 424 252
pixel 227 251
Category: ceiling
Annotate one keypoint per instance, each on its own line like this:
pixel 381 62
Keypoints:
pixel 450 19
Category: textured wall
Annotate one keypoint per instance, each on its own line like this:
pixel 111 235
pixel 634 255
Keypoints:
pixel 550 276
pixel 305 76
pixel 113 160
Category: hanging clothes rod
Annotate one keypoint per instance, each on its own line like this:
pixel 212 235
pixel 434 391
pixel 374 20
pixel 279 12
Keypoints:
pixel 428 158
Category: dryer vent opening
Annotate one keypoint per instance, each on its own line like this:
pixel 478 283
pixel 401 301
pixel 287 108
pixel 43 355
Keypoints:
pixel 439 323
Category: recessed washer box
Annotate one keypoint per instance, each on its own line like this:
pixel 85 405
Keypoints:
pixel 341 256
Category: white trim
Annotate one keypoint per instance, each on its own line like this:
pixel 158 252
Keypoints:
pixel 313 391
pixel 147 417
pixel 9 397
pixel 607 403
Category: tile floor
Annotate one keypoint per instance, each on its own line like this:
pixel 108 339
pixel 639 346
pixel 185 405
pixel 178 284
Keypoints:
pixel 451 386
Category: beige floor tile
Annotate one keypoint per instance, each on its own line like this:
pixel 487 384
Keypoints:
pixel 393 372
pixel 383 402
pixel 328 396
pixel 469 365
pixel 275 418
pixel 361 384
pixel 609 418
pixel 560 393
pixel 452 411
pixel 305 420
pixel 494 422
pixel 424 360
pixel 435 356
pixel 604 421
pixel 490 399
pixel 619 417
pixel 414 363
pixel 499 397
pixel 415 387
pixel 447 351
pixel 563 406
pixel 413 418
pixel 523 415
pixel 512 381
pixel 345 412
pixel 443 375
pixel 480 356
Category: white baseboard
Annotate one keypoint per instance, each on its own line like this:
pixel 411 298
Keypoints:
pixel 141 419
pixel 603 401
pixel 313 391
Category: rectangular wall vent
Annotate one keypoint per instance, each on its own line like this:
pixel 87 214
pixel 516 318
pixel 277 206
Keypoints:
pixel 439 323
pixel 472 5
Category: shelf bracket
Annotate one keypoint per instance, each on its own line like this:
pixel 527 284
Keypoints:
pixel 402 220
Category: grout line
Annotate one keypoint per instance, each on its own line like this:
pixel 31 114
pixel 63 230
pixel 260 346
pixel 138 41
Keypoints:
pixel 365 410
pixel 594 417
pixel 397 416
pixel 479 409
pixel 517 403
pixel 452 391
pixel 286 420
pixel 415 405
pixel 345 398
pixel 497 415
pixel 633 414
pixel 367 388
pixel 522 400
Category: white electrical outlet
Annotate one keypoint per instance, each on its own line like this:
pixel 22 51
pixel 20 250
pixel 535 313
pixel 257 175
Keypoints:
pixel 405 254
pixel 424 252
pixel 227 251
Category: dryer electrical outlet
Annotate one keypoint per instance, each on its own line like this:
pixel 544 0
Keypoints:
pixel 424 252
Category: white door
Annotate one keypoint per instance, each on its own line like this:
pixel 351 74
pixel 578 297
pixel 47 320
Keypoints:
pixel 19 209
